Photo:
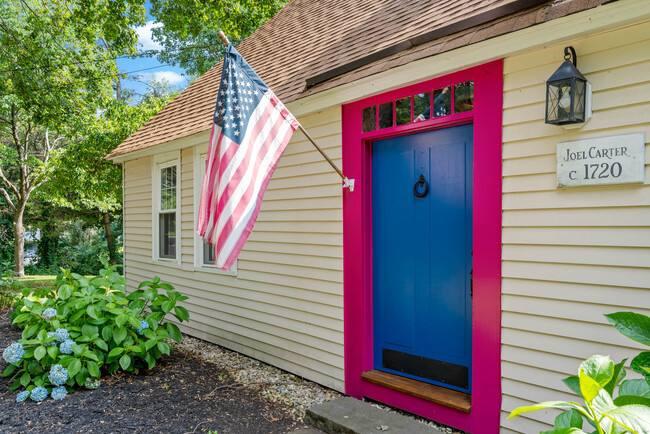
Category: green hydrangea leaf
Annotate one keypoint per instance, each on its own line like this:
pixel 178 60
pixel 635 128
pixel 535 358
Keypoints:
pixel 74 368
pixel 633 325
pixel 564 405
pixel 181 313
pixel 125 361
pixel 641 364
pixel 568 419
pixel 636 387
pixel 634 418
pixel 93 368
pixel 174 332
pixel 40 352
pixel 119 335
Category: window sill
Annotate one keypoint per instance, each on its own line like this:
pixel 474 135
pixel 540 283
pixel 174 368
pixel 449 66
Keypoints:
pixel 440 395
pixel 167 262
pixel 216 270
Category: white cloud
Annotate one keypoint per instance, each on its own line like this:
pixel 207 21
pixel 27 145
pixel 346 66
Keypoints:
pixel 169 76
pixel 145 37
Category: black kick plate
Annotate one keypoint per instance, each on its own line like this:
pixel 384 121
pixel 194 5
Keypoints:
pixel 431 369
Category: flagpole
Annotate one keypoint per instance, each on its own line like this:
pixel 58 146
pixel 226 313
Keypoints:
pixel 347 183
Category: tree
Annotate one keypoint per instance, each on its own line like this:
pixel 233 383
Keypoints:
pixel 55 76
pixel 86 182
pixel 189 33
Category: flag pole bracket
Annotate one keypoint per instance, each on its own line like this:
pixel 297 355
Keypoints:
pixel 348 183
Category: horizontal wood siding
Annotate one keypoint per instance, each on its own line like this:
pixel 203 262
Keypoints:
pixel 569 255
pixel 285 306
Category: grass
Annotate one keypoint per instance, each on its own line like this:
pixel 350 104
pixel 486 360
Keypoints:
pixel 33 282
pixel 38 282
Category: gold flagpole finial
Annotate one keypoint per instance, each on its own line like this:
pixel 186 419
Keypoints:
pixel 223 37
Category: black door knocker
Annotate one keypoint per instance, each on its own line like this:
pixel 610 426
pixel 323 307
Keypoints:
pixel 424 185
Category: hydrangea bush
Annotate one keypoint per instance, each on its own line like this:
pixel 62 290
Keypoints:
pixel 88 327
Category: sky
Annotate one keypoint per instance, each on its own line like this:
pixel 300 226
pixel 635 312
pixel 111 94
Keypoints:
pixel 173 74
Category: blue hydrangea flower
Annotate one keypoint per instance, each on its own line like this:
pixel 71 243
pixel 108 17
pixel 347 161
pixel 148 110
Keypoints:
pixel 59 393
pixel 49 313
pixel 38 394
pixel 49 335
pixel 58 375
pixel 143 325
pixel 66 346
pixel 13 353
pixel 62 334
pixel 22 396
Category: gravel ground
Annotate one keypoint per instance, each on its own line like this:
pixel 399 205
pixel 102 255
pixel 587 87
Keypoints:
pixel 278 385
pixel 274 384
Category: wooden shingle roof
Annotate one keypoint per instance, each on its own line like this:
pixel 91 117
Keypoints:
pixel 309 39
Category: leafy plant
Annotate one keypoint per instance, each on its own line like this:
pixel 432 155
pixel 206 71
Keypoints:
pixel 596 382
pixel 88 327
pixel 9 285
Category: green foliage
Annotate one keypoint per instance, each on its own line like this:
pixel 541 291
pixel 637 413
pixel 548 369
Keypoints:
pixel 189 33
pixel 58 63
pixel 596 382
pixel 83 179
pixel 637 327
pixel 9 285
pixel 77 246
pixel 109 331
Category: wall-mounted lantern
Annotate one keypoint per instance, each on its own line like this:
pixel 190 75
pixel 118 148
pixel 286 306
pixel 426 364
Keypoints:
pixel 568 94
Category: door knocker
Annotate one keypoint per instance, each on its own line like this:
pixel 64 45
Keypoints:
pixel 424 186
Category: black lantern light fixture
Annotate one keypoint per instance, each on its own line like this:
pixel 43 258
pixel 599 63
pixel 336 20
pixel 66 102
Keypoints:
pixel 568 94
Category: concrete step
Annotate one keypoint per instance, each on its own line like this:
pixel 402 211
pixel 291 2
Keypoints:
pixel 351 416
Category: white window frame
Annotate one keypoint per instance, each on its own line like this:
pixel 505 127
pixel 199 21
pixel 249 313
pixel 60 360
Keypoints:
pixel 200 154
pixel 160 162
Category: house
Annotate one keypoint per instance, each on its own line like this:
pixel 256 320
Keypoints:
pixel 336 285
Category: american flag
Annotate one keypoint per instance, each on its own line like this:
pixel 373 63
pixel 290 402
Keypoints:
pixel 250 130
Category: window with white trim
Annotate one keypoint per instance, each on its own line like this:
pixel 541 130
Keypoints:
pixel 166 210
pixel 204 252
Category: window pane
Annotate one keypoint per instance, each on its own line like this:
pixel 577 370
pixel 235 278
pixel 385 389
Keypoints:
pixel 167 237
pixel 464 97
pixel 369 119
pixel 421 103
pixel 441 102
pixel 403 111
pixel 168 188
pixel 208 254
pixel 386 115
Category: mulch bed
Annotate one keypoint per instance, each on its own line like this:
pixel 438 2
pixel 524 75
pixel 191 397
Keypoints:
pixel 182 394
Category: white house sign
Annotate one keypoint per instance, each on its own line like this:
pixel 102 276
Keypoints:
pixel 605 160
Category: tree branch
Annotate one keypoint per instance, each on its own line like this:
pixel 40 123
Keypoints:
pixel 8 199
pixel 8 183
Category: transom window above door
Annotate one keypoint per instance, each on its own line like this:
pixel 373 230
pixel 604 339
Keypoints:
pixel 440 102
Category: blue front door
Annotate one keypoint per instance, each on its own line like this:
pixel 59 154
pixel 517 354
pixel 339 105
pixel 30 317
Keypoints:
pixel 422 256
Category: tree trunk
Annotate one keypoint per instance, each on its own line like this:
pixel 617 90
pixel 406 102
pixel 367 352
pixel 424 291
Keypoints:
pixel 19 242
pixel 109 238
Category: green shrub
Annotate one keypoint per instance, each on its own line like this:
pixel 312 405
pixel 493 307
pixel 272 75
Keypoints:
pixel 88 327
pixel 9 285
pixel 597 381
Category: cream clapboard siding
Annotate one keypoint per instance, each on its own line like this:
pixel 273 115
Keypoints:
pixel 570 256
pixel 285 306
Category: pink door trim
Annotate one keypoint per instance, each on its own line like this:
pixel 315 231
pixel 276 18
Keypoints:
pixel 357 247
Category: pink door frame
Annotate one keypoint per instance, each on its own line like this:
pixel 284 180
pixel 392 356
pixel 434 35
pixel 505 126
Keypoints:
pixel 357 248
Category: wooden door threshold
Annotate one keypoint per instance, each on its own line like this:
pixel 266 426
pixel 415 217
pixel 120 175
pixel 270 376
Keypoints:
pixel 440 395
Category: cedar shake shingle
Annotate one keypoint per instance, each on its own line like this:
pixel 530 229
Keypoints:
pixel 309 37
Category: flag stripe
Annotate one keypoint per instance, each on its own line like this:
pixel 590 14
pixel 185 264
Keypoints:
pixel 251 130
pixel 241 240
pixel 267 151
pixel 237 166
